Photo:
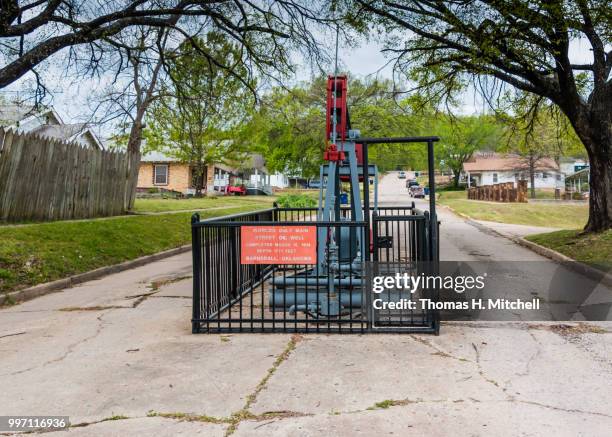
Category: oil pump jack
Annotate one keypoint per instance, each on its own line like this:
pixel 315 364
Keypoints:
pixel 334 283
pixel 328 293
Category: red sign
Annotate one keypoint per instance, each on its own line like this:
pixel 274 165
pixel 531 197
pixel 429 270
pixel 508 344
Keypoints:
pixel 278 245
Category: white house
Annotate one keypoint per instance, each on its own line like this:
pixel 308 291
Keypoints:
pixel 493 168
pixel 279 180
pixel 259 179
pixel 569 166
pixel 47 123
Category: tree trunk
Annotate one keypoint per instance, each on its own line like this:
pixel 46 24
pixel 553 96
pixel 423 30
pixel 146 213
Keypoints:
pixel 600 188
pixel 199 185
pixel 532 177
pixel 456 175
pixel 205 180
pixel 594 128
pixel 133 156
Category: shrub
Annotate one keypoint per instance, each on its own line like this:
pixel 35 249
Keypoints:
pixel 296 201
pixel 451 188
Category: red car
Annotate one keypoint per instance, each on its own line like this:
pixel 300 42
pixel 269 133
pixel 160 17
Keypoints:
pixel 237 190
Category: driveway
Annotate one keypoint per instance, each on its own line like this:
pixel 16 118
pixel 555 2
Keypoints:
pixel 117 356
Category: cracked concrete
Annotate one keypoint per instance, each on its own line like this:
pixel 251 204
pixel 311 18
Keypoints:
pixel 120 347
pixel 109 357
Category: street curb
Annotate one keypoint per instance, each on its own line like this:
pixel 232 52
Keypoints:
pixel 584 269
pixel 71 281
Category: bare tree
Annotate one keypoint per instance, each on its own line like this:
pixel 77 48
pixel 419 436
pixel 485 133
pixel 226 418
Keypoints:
pixel 130 37
pixel 139 58
pixel 522 44
pixel 32 31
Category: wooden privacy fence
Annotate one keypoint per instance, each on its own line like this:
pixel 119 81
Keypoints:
pixel 504 192
pixel 48 179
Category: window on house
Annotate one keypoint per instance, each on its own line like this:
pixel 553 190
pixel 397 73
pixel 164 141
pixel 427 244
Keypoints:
pixel 494 178
pixel 544 175
pixel 558 176
pixel 160 174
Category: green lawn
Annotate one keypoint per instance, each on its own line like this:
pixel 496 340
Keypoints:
pixel 37 253
pixel 594 249
pixel 535 214
pixel 161 205
pixel 543 193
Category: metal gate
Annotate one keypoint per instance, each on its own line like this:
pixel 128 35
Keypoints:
pixel 402 244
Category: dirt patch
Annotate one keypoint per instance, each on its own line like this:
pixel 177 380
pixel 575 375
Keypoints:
pixel 567 330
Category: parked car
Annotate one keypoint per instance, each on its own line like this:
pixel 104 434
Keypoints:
pixel 236 190
pixel 315 183
pixel 401 175
pixel 417 191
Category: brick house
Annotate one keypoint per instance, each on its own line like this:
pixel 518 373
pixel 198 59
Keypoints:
pixel 161 171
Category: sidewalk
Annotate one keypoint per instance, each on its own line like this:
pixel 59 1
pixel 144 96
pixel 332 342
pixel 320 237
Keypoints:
pixel 512 230
pixel 120 348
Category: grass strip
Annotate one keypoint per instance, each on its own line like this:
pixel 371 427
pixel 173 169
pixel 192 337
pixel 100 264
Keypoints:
pixel 44 252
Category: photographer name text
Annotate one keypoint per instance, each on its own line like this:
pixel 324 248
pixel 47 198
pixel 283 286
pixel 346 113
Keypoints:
pixel 471 304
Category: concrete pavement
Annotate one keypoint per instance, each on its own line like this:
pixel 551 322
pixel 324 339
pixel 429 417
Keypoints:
pixel 117 356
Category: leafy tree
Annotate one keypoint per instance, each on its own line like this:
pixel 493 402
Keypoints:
pixel 540 137
pixel 511 49
pixel 532 149
pixel 289 127
pixel 461 137
pixel 206 106
pixel 289 130
pixel 382 114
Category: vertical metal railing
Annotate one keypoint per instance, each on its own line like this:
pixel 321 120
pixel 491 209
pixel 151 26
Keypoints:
pixel 232 297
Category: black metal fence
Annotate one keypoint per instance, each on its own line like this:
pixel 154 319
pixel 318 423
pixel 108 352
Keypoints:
pixel 327 296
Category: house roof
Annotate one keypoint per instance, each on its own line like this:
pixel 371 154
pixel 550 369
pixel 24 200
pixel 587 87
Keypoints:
pixel 61 131
pixel 256 161
pixel 157 157
pixel 50 124
pixel 496 162
pixel 580 174
pixel 571 159
pixel 67 132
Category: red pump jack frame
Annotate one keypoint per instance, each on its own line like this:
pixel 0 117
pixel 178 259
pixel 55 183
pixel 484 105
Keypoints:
pixel 337 87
